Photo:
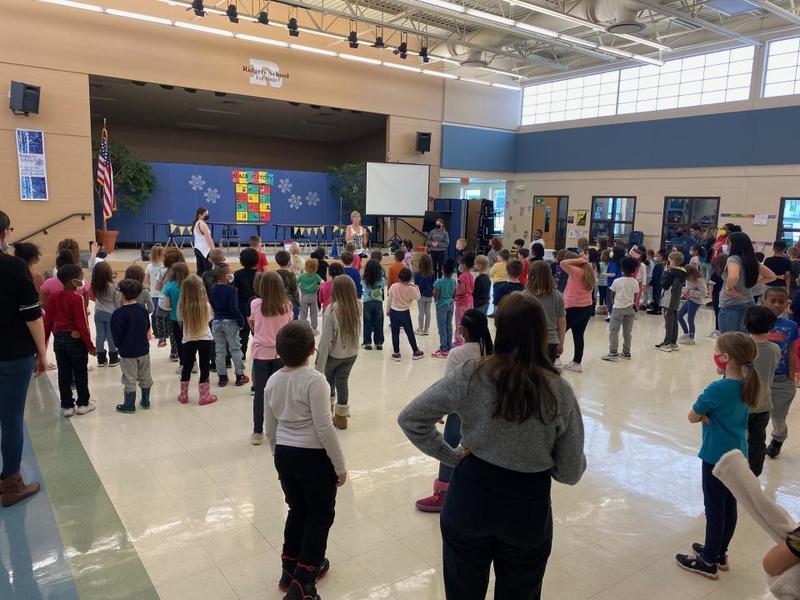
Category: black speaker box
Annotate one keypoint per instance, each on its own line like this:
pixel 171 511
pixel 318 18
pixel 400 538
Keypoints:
pixel 423 142
pixel 24 98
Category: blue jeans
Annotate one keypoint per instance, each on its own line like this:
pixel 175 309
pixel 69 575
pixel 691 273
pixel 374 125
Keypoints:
pixel 15 375
pixel 689 309
pixel 102 322
pixel 731 318
pixel 452 437
pixel 721 515
pixel 444 323
pixel 226 340
pixel 373 322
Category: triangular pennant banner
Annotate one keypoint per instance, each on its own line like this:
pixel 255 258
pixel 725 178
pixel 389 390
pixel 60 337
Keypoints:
pixel 172 228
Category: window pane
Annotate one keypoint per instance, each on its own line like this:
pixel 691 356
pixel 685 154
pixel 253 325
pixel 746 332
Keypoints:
pixel 782 75
pixel 783 46
pixel 779 89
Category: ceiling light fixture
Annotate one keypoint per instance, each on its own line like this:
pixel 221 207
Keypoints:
pixel 578 41
pixel 70 4
pixel 441 74
pixel 233 13
pixel 401 67
pixel 554 13
pixel 379 38
pixel 478 81
pixel 506 87
pixel 445 4
pixel 645 42
pixel 137 16
pixel 361 59
pixel 474 12
pixel 203 29
pixel 312 50
pixel 198 8
pixel 261 40
pixel 536 29
pixel 352 38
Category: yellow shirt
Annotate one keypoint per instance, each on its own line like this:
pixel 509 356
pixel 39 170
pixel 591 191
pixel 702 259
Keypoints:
pixel 499 272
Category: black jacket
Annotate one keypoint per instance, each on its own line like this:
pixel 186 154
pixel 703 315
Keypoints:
pixel 672 282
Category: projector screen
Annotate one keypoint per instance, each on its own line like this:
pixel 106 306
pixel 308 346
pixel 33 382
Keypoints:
pixel 397 190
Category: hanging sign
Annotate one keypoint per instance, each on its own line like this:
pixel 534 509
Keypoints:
pixel 32 166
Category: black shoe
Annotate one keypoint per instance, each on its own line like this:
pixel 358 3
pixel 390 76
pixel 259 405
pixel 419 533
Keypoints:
pixel 113 359
pixel 695 564
pixel 102 359
pixel 304 582
pixel 722 563
pixel 223 380
pixel 626 355
pixel 367 346
pixel 774 449
pixel 213 367
pixel 287 569
pixel 378 347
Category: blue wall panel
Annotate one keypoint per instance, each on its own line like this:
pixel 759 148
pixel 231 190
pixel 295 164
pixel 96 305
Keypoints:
pixel 476 149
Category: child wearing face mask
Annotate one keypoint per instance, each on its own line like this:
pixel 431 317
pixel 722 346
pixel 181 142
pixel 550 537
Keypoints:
pixel 228 320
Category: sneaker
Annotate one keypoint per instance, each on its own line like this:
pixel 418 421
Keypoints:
pixel 674 347
pixel 378 347
pixel 223 381
pixel 664 347
pixel 396 357
pixel 611 357
pixel 694 564
pixel 686 341
pixel 417 355
pixel 162 343
pixel 174 357
pixel 83 410
pixel 113 360
pixel 774 449
pixel 419 332
pixel 367 346
pixel 683 338
pixel 439 354
pixel 257 439
pixel 68 412
pixel 574 367
pixel 626 355
pixel 722 565
pixel 608 319
pixel 242 380
pixel 713 335
pixel 558 364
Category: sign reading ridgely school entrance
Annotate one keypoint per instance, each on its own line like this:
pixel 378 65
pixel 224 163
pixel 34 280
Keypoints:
pixel 264 72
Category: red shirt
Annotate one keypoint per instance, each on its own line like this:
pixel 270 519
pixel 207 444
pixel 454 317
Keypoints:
pixel 526 267
pixel 262 262
pixel 66 312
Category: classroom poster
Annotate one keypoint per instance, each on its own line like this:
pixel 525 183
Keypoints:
pixel 32 166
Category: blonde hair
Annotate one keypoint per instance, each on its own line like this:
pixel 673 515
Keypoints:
pixel 193 306
pixel 742 351
pixel 178 272
pixel 269 287
pixel 311 265
pixel 350 247
pixel 355 213
pixel 294 249
pixel 156 253
pixel 676 257
pixel 587 278
pixel 540 279
pixel 216 257
pixel 481 262
pixel 347 307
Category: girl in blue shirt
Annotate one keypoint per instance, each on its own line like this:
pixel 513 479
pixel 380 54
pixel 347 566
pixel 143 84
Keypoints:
pixel 723 409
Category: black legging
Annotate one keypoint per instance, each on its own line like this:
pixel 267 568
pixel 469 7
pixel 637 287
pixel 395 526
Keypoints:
pixel 203 264
pixel 577 320
pixel 201 348
pixel 438 257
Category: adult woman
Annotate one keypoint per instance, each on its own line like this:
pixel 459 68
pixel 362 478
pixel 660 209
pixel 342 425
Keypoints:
pixel 521 426
pixel 357 233
pixel 495 245
pixel 437 243
pixel 23 350
pixel 742 273
pixel 203 242
pixel 720 245
pixel 578 302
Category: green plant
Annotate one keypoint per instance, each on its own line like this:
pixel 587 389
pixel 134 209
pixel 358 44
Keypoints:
pixel 134 181
pixel 349 182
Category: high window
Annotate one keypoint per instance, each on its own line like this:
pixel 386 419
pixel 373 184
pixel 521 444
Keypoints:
pixel 783 59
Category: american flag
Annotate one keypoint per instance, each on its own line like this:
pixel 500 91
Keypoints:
pixel 105 177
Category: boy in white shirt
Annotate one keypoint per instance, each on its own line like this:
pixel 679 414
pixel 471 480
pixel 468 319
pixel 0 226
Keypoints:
pixel 623 296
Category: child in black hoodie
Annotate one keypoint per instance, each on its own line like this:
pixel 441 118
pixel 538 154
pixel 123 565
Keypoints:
pixel 671 285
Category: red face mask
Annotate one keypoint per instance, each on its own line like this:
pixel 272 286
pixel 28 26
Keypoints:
pixel 721 364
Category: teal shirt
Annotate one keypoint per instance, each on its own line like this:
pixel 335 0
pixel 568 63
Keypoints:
pixel 373 293
pixel 447 289
pixel 172 291
pixel 309 283
pixel 722 403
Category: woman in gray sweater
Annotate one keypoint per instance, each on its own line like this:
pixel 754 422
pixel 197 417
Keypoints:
pixel 438 243
pixel 521 428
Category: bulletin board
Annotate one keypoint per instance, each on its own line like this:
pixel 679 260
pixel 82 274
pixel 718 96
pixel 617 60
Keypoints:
pixel 253 196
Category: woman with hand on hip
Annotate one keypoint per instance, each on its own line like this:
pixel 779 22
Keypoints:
pixel 357 233
pixel 437 244
pixel 203 243
pixel 742 273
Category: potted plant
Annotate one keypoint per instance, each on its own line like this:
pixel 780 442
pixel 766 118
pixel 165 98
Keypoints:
pixel 134 182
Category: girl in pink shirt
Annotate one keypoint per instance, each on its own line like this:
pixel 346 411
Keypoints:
pixel 269 311
pixel 326 289
pixel 463 295
pixel 578 302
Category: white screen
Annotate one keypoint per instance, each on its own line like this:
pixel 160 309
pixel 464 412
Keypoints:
pixel 398 190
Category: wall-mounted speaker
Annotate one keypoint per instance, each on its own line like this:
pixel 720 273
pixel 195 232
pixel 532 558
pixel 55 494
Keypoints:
pixel 24 98
pixel 423 142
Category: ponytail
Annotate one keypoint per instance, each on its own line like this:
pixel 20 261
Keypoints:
pixel 742 350
pixel 751 388
pixel 476 323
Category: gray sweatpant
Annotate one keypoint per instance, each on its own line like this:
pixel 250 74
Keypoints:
pixel 424 317
pixel 621 317
pixel 136 370
pixel 308 308
pixel 783 390
pixel 226 339
pixel 337 372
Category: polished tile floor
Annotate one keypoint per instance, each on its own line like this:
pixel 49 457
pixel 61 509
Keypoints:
pixel 204 511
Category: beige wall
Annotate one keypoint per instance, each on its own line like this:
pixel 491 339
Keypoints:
pixel 64 118
pixel 481 106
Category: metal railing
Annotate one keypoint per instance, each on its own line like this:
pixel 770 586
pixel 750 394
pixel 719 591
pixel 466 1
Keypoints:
pixel 43 230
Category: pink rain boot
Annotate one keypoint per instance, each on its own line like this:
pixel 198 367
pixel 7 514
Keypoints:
pixel 183 396
pixel 435 502
pixel 206 397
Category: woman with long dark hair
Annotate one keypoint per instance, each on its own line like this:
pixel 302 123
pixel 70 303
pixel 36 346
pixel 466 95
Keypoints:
pixel 742 273
pixel 203 243
pixel 521 427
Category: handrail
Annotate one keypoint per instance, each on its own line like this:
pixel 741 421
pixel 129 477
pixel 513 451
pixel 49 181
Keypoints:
pixel 53 224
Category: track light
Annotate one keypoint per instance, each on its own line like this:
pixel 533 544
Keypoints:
pixel 402 49
pixel 292 27
pixel 233 13
pixel 353 37
pixel 198 8
pixel 423 52
pixel 263 17
pixel 379 38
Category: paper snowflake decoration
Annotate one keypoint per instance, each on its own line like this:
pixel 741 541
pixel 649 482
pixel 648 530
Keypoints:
pixel 285 186
pixel 197 183
pixel 312 198
pixel 212 195
pixel 295 201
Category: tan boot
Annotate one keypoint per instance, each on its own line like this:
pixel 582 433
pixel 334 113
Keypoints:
pixel 14 489
pixel 340 416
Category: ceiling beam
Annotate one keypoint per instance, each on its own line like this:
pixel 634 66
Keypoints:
pixel 708 26
pixel 776 10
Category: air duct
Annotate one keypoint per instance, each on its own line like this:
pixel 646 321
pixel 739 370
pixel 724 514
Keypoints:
pixel 619 16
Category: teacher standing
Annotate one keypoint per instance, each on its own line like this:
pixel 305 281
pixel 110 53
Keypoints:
pixel 203 243
pixel 21 353
pixel 437 244
pixel 357 233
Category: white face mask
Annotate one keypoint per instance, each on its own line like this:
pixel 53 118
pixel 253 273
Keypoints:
pixel 725 248
pixel 230 277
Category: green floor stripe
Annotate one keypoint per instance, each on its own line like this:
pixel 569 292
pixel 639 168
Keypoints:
pixel 103 560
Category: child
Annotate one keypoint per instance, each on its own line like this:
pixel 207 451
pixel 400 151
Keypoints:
pixel 759 320
pixel 396 267
pixel 722 408
pixel 779 264
pixel 515 246
pixel 444 290
pixel 144 299
pixel 255 244
pixel 283 258
pixel 465 286
pixel 477 343
pixel 499 270
pixel 408 248
pixel 322 264
pixel 349 270
pixel 338 345
pixel 695 251
pixel 151 273
pixel 694 293
pixel 482 289
pixel 523 254
pixel 169 298
pixel 671 285
pixel 309 283
pixel 542 286
pixel 715 283
pixel 326 289
pixel 244 280
pixel 351 248
pixel 785 335
pixel 269 311
pixel 399 299
pixel 296 260
pixel 163 321
pixel 66 319
pixel 424 279
pixel 227 322
pixel 655 282
pixel 130 326
pixel 560 274
pixel 511 283
pixel 374 284
pixel 648 292
pixel 602 282
pixel 308 459
pixel 461 247
pixel 794 269
pixel 52 285
pixel 537 252
pixel 578 303
pixel 623 297
pixel 104 292
pixel 195 314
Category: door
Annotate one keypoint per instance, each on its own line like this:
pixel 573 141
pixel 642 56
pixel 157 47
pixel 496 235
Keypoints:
pixel 681 212
pixel 545 217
